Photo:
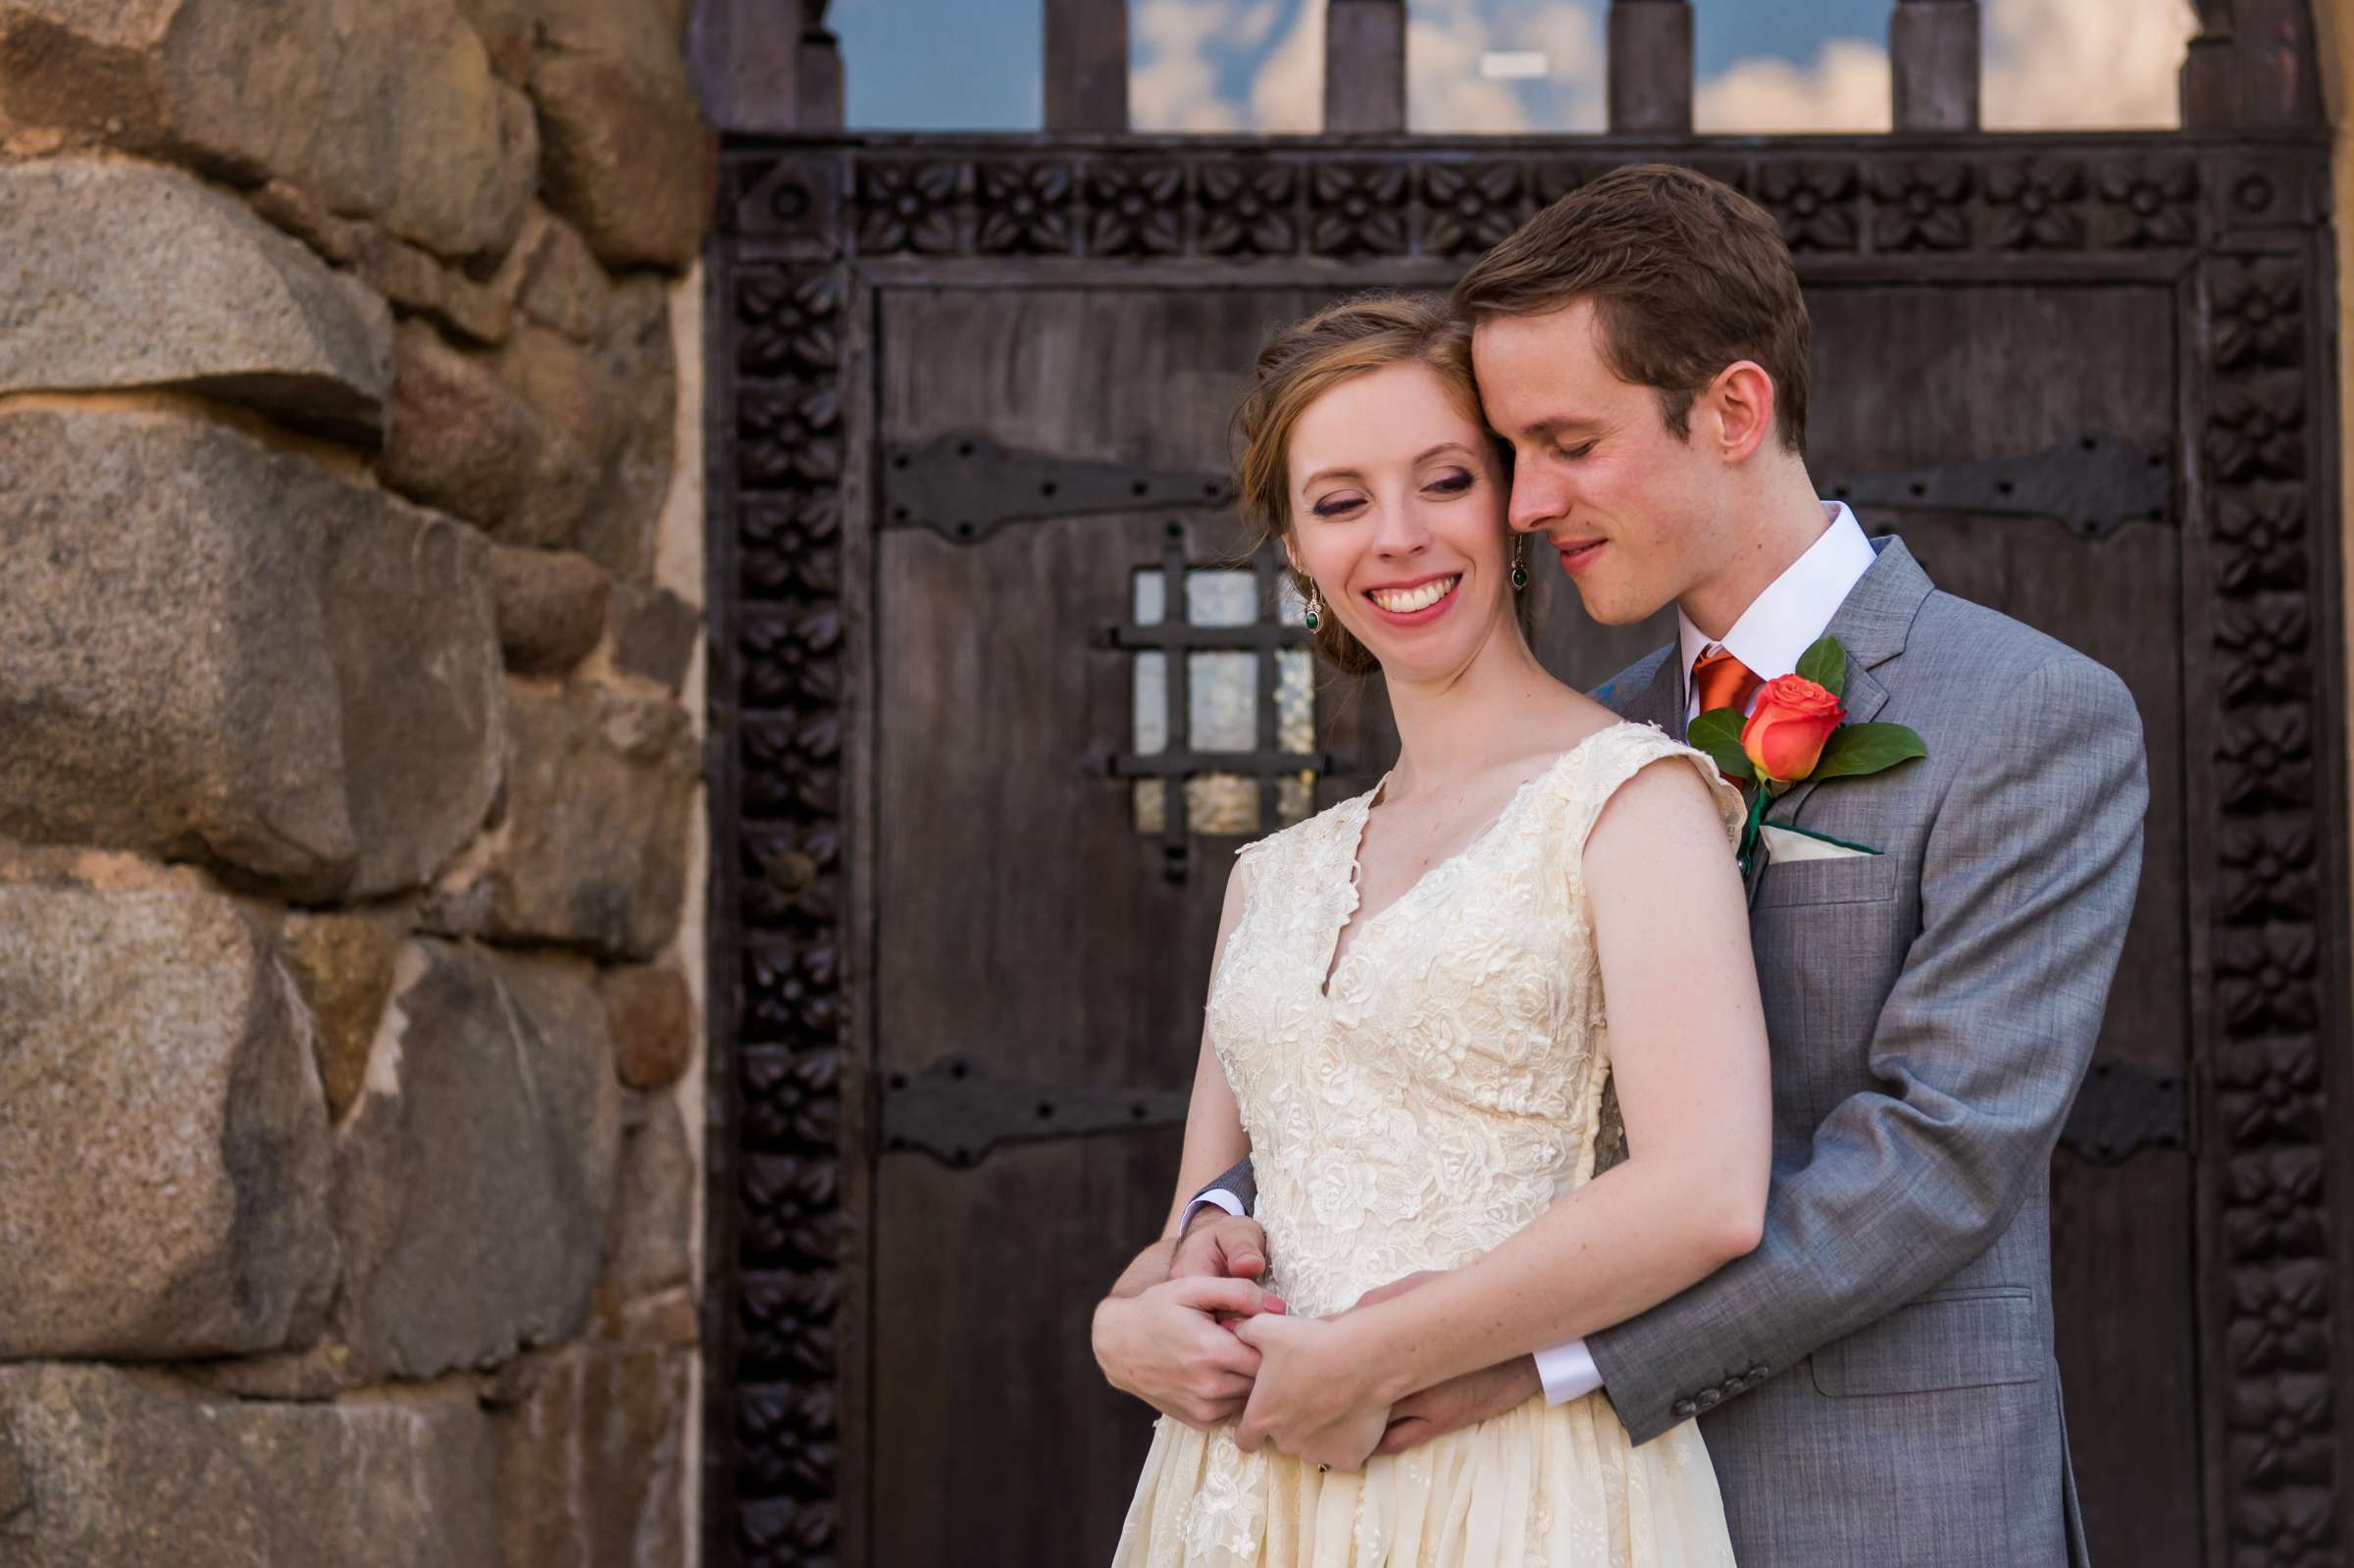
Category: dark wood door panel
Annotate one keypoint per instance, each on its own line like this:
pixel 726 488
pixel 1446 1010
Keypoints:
pixel 992 1420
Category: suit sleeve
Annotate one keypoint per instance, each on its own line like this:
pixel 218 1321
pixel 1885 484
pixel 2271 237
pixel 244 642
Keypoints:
pixel 2027 878
pixel 1236 1183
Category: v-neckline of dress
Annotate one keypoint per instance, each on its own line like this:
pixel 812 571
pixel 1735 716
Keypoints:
pixel 1355 840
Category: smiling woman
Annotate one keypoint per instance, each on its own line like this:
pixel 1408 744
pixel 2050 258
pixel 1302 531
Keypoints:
pixel 1363 436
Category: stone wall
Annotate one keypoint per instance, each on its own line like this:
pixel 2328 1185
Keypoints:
pixel 349 783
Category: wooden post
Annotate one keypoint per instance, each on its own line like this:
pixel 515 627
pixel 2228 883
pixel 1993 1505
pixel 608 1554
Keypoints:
pixel 766 64
pixel 817 72
pixel 1933 59
pixel 1087 65
pixel 2252 65
pixel 1365 65
pixel 1650 67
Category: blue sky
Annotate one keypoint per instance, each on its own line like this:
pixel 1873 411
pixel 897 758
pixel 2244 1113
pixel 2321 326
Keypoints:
pixel 1762 63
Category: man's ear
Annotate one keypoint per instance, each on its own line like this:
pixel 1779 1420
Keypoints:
pixel 1741 400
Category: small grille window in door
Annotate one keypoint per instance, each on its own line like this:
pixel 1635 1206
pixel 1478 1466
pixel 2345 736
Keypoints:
pixel 1223 738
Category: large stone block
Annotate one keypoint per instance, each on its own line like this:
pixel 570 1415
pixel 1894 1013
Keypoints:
pixel 551 608
pixel 222 653
pixel 654 633
pixel 161 1132
pixel 342 964
pixel 653 1248
pixel 592 850
pixel 653 1021
pixel 592 1460
pixel 117 1470
pixel 474 1180
pixel 563 286
pixel 627 156
pixel 464 440
pixel 382 107
pixel 133 276
pixel 635 352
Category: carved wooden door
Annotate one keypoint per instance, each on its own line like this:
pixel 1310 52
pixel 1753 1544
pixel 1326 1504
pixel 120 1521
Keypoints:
pixel 998 690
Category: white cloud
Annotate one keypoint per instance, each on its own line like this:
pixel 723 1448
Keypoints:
pixel 1176 86
pixel 2084 63
pixel 1443 88
pixel 1288 93
pixel 2049 64
pixel 1846 88
pixel 1444 91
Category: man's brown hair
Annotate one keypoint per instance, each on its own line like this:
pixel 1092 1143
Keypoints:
pixel 1686 276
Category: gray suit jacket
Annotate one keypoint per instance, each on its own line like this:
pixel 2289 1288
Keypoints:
pixel 1875 1381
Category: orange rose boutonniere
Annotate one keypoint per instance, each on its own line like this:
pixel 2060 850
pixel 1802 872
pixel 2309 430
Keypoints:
pixel 1795 733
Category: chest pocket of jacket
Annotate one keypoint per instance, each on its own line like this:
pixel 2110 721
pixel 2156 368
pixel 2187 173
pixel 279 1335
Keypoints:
pixel 1848 880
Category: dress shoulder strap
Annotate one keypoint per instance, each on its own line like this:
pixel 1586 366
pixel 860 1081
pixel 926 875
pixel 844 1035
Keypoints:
pixel 1608 758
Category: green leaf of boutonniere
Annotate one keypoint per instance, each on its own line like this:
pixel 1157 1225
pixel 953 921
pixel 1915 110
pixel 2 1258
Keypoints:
pixel 1718 732
pixel 1825 664
pixel 1860 748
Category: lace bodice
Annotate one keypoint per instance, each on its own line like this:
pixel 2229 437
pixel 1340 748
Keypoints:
pixel 1446 1087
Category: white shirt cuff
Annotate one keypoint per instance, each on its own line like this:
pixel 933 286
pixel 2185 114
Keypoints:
pixel 1218 1197
pixel 1567 1372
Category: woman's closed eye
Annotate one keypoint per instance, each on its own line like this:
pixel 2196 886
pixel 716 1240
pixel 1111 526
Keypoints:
pixel 1340 505
pixel 1454 482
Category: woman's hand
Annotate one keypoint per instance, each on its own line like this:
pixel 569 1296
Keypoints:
pixel 1316 1396
pixel 1164 1345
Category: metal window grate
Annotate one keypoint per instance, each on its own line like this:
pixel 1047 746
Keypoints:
pixel 1222 734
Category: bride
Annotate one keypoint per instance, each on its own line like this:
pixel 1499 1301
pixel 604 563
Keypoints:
pixel 1408 1035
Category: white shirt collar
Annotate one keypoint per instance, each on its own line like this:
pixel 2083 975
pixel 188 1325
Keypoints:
pixel 1796 608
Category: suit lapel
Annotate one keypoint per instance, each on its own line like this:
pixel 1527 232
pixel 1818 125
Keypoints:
pixel 1872 623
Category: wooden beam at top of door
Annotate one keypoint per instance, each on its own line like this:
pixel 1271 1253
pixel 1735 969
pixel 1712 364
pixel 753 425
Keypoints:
pixel 1650 66
pixel 1087 65
pixel 1934 54
pixel 1365 65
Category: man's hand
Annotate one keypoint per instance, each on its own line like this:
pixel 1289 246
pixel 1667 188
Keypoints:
pixel 1458 1402
pixel 1165 1346
pixel 1315 1396
pixel 1221 1245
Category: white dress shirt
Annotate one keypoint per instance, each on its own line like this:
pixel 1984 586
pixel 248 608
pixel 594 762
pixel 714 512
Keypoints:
pixel 1771 636
pixel 1786 620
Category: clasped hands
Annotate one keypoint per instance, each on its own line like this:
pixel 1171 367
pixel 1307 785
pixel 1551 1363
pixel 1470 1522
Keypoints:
pixel 1209 1345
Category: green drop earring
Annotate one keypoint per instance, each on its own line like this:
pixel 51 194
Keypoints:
pixel 1315 608
pixel 1519 572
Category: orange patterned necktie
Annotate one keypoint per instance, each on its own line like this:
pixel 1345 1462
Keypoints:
pixel 1723 681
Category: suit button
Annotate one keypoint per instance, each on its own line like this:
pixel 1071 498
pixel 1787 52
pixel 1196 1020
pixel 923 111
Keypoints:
pixel 1683 1410
pixel 1708 1398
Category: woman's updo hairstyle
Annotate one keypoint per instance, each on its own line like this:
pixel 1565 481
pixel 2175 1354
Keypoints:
pixel 1305 360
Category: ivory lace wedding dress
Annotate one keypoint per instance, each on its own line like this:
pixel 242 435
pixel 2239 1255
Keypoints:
pixel 1440 1093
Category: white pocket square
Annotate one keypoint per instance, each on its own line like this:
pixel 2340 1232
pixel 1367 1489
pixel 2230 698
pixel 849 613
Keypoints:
pixel 1783 845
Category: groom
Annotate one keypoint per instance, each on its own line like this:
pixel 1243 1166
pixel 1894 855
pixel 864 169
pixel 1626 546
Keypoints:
pixel 1877 1381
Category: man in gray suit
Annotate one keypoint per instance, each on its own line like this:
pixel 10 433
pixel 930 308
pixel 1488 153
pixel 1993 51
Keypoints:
pixel 1875 1381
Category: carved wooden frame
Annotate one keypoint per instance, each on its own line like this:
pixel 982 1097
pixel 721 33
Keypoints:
pixel 2237 224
